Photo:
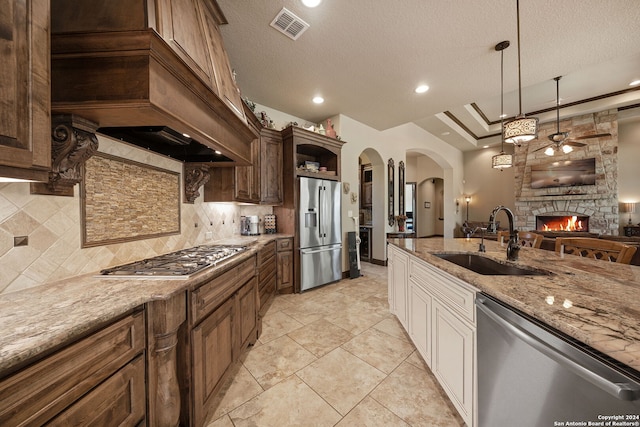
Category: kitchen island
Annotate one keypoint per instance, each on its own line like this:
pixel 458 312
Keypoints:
pixel 595 302
pixel 592 302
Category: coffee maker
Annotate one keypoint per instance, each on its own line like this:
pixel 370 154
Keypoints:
pixel 245 227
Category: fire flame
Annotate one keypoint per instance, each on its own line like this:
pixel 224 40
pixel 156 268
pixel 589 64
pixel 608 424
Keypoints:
pixel 564 224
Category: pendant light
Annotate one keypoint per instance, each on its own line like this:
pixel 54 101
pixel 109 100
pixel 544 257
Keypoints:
pixel 502 161
pixel 521 129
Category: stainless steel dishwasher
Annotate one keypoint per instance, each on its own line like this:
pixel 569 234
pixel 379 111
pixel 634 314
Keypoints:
pixel 532 375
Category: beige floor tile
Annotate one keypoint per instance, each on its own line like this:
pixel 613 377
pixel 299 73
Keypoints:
pixel 289 403
pixel 320 337
pixel 391 326
pixel 277 324
pixel 241 387
pixel 379 350
pixel 308 311
pixel 276 360
pixel 416 360
pixel 341 379
pixel 370 413
pixel 410 393
pixel 357 319
pixel 279 304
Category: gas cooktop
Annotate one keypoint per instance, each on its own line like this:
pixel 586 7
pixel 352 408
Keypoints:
pixel 175 265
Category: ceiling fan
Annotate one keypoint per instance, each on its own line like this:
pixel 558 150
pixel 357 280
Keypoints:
pixel 559 139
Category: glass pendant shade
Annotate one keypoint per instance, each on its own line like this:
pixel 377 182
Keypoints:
pixel 549 151
pixel 522 129
pixel 502 161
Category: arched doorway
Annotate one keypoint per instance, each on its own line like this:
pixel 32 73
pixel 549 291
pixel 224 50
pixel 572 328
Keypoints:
pixel 372 216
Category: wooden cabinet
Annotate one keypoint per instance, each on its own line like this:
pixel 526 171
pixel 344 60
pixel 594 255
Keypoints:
pixel 224 321
pixel 438 312
pixel 99 380
pixel 25 127
pixel 284 282
pixel 259 183
pixel 266 275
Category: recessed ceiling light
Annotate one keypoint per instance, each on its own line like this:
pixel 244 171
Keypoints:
pixel 318 100
pixel 311 3
pixel 485 146
pixel 502 116
pixel 422 89
pixel 186 135
pixel 445 133
pixel 634 83
pixel 217 152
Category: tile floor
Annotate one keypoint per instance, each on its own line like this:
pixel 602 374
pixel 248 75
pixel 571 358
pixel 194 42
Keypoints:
pixel 334 356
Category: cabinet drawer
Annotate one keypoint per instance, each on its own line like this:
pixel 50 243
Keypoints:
pixel 213 293
pixel 267 252
pixel 119 401
pixel 267 270
pixel 39 392
pixel 451 291
pixel 285 244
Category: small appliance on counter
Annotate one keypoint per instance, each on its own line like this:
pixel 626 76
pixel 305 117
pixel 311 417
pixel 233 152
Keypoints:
pixel 254 225
pixel 270 224
pixel 244 226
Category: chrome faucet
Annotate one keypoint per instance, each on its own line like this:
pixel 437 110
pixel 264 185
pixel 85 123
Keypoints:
pixel 512 247
pixel 468 232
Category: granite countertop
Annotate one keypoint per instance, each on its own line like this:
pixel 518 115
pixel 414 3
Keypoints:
pixel 596 302
pixel 40 319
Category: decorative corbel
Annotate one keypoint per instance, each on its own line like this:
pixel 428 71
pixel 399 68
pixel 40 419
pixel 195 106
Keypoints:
pixel 73 142
pixel 195 176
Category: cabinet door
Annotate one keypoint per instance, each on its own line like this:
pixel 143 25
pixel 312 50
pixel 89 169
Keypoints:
pixel 119 401
pixel 271 168
pixel 399 281
pixel 420 320
pixel 25 126
pixel 212 353
pixel 247 317
pixel 285 272
pixel 452 358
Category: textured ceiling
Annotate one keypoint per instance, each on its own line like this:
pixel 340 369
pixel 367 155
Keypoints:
pixel 365 57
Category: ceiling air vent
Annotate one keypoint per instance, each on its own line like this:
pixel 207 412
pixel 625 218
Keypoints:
pixel 289 24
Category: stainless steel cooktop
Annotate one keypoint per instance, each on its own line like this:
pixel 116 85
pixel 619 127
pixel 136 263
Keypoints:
pixel 175 265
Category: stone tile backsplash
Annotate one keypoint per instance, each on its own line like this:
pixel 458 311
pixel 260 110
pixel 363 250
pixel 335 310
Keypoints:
pixel 52 224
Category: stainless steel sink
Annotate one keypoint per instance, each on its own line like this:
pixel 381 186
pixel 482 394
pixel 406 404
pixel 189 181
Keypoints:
pixel 488 267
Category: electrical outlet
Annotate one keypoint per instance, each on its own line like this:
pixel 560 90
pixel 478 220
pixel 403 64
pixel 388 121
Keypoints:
pixel 20 240
pixel 208 235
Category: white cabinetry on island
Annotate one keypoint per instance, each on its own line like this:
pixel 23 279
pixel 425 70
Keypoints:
pixel 437 310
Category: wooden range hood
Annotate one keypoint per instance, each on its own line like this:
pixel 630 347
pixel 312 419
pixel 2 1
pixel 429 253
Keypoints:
pixel 128 79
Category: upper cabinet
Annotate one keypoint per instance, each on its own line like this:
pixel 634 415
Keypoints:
pixel 25 129
pixel 130 64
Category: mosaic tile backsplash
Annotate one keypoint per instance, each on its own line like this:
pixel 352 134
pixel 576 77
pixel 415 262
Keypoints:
pixel 52 224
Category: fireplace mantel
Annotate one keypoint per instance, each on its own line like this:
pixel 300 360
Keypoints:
pixel 554 197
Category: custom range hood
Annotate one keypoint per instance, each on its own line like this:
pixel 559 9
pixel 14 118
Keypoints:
pixel 156 77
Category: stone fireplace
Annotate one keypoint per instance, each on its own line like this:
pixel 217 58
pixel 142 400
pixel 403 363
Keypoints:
pixel 597 203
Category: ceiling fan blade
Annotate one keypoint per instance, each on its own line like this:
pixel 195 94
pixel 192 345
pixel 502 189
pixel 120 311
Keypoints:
pixel 575 143
pixel 543 148
pixel 598 135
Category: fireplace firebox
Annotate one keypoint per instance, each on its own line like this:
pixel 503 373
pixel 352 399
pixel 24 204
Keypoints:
pixel 562 223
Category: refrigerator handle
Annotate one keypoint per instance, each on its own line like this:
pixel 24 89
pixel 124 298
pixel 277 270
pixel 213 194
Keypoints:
pixel 320 213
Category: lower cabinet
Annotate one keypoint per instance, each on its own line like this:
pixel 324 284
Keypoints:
pixel 98 380
pixel 398 265
pixel 266 275
pixel 438 312
pixel 284 275
pixel 223 316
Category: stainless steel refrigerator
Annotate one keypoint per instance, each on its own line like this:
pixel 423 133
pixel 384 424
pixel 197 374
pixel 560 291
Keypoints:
pixel 320 230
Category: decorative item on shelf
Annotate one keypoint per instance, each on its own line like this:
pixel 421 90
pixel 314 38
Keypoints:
pixel 264 119
pixel 330 131
pixel 321 129
pixel 250 104
pixel 629 207
pixel 311 166
pixel 521 129
pixel 502 161
pixel 401 221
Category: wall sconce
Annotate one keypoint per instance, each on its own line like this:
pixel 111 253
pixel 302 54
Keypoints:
pixel 467 199
pixel 629 207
